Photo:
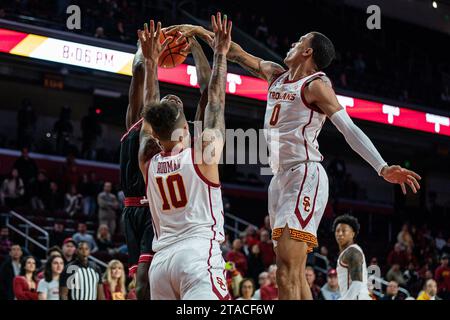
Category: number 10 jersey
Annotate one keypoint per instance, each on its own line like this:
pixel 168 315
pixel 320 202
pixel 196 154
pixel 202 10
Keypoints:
pixel 184 204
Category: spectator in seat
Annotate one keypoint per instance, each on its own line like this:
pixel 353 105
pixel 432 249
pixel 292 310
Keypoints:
pixel 404 237
pixel 263 280
pixel 132 289
pixel 104 242
pixel 251 237
pixel 236 256
pixel 391 292
pixel 39 191
pixel 8 271
pixel 55 200
pixel 108 205
pixel 88 275
pixel 246 289
pixel 397 256
pixel 26 166
pixel 48 288
pixel 411 277
pixel 91 130
pixel 83 235
pixel 26 124
pixel 442 277
pixel 270 291
pixel 63 130
pixel 266 225
pixel 395 274
pixel 69 248
pixel 70 171
pixel 311 278
pixel 12 190
pixel 73 200
pixel 330 290
pixel 440 241
pixel 255 263
pixel 114 281
pixel 5 243
pixel 89 191
pixel 234 278
pixel 430 291
pixel 25 284
pixel 57 235
pixel 266 248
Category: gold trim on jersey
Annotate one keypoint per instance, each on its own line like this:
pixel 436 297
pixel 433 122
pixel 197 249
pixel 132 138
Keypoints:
pixel 298 235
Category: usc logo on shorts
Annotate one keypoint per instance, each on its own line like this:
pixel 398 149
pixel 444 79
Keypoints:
pixel 222 285
pixel 306 203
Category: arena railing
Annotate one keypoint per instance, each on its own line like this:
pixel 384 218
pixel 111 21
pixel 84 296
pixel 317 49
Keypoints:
pixel 27 225
pixel 236 223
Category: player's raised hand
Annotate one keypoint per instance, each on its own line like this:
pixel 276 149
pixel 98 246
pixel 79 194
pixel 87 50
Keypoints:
pixel 150 43
pixel 402 176
pixel 222 33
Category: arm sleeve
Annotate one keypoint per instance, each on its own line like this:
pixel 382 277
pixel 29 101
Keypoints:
pixel 358 140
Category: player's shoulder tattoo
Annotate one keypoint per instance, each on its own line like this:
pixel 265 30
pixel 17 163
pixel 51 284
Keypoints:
pixel 354 259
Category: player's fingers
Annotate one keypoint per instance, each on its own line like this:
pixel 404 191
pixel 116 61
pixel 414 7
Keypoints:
pixel 402 185
pixel 213 23
pixel 152 29
pixel 230 26
pixel 178 37
pixel 166 43
pixel 411 185
pixel 413 180
pixel 415 175
pixel 158 30
pixel 225 24
pixel 219 21
pixel 186 49
pixel 146 33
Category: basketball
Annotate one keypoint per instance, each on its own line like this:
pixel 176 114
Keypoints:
pixel 172 56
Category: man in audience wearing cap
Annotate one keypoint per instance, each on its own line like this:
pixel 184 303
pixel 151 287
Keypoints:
pixel 330 290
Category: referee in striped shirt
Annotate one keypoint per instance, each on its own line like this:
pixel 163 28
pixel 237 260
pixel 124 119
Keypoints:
pixel 81 278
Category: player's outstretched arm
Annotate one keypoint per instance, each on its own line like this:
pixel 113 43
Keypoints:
pixel 203 75
pixel 213 136
pixel 353 259
pixel 260 68
pixel 151 50
pixel 322 95
pixel 136 91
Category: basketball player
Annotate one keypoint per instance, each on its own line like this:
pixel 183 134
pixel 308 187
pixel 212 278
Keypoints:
pixel 351 265
pixel 136 217
pixel 299 100
pixel 183 186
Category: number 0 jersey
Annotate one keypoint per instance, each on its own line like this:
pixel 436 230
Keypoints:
pixel 292 125
pixel 183 203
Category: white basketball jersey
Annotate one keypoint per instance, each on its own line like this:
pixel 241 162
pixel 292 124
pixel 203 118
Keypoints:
pixel 183 203
pixel 344 276
pixel 292 125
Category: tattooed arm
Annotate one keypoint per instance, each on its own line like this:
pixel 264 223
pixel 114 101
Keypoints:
pixel 266 70
pixel 203 75
pixel 353 259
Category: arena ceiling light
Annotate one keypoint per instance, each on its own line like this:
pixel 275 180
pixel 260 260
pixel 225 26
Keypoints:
pixel 119 62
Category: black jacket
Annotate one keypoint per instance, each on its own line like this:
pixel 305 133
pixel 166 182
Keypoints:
pixel 6 280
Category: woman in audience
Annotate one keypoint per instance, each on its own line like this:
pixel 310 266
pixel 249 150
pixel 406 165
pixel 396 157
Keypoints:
pixel 12 189
pixel 246 289
pixel 114 281
pixel 48 288
pixel 24 285
pixel 104 242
